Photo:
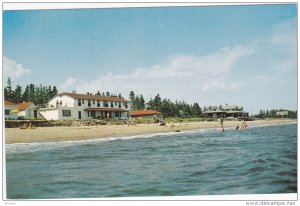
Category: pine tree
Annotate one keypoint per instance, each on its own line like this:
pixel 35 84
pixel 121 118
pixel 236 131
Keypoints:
pixel 132 100
pixel 157 103
pixel 18 94
pixel 8 92
pixel 142 102
pixel 196 110
pixel 25 96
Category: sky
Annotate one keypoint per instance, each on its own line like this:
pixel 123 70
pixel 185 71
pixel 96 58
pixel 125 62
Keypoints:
pixel 213 55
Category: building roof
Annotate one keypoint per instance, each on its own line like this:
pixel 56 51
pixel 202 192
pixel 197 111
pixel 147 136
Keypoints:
pixel 24 105
pixel 143 112
pixel 21 106
pixel 93 97
pixel 234 107
pixel 8 103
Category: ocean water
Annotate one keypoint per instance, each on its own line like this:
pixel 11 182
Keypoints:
pixel 258 160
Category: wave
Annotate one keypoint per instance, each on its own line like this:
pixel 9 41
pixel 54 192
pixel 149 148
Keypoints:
pixel 42 146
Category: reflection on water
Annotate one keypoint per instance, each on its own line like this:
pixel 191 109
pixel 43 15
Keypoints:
pixel 258 160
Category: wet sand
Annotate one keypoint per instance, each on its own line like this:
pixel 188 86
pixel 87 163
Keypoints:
pixel 52 134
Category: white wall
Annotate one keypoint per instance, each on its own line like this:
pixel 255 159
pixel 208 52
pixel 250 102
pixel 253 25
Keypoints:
pixel 11 115
pixel 28 113
pixel 64 99
pixel 50 114
pixel 74 113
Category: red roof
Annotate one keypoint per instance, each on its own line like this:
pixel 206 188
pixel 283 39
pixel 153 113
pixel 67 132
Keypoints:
pixel 24 105
pixel 106 109
pixel 8 103
pixel 143 112
pixel 94 97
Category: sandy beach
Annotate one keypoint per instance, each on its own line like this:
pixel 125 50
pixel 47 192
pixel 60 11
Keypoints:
pixel 51 134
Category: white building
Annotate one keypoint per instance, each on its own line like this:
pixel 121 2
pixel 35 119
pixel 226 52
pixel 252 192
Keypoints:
pixel 9 107
pixel 67 106
pixel 24 110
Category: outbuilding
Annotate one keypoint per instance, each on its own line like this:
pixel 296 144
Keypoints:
pixel 150 114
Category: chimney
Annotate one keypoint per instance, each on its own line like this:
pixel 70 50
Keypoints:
pixel 87 93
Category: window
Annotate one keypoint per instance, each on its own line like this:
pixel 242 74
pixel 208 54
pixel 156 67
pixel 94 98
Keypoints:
pixel 93 114
pixel 89 103
pixel 82 101
pixel 111 104
pixel 98 103
pixel 105 103
pixel 79 102
pixel 66 113
pixel 7 112
pixel 120 105
pixel 125 105
pixel 117 114
pixel 94 102
pixel 116 103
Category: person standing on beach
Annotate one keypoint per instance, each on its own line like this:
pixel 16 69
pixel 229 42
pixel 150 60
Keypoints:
pixel 222 121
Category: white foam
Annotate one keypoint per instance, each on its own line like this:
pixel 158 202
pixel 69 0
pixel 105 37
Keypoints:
pixel 39 146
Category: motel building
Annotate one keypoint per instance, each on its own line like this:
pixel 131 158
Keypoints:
pixel 226 111
pixel 69 106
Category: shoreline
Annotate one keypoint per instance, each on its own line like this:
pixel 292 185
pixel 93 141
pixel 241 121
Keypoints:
pixel 78 133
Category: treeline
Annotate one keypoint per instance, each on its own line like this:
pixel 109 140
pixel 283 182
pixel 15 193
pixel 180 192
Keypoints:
pixel 273 113
pixel 39 95
pixel 165 106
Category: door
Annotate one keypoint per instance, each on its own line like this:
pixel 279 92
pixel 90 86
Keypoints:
pixel 79 115
pixel 35 114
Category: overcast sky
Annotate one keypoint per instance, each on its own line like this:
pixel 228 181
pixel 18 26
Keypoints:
pixel 243 55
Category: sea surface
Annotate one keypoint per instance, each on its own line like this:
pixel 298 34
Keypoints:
pixel 257 160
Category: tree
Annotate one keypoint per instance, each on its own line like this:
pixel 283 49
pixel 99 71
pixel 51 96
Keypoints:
pixel 157 103
pixel 31 93
pixel 17 95
pixel 196 110
pixel 166 108
pixel 142 102
pixel 25 96
pixel 54 92
pixel 8 92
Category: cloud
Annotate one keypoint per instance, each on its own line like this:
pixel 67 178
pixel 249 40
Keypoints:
pixel 178 73
pixel 220 86
pixel 265 68
pixel 13 70
pixel 69 83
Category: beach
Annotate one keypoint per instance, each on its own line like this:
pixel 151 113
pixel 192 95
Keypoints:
pixel 54 134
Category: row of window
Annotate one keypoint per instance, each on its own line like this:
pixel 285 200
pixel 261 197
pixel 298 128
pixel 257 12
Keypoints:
pixel 105 103
pixel 67 113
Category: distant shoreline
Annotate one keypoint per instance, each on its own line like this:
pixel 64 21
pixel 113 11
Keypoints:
pixel 77 133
